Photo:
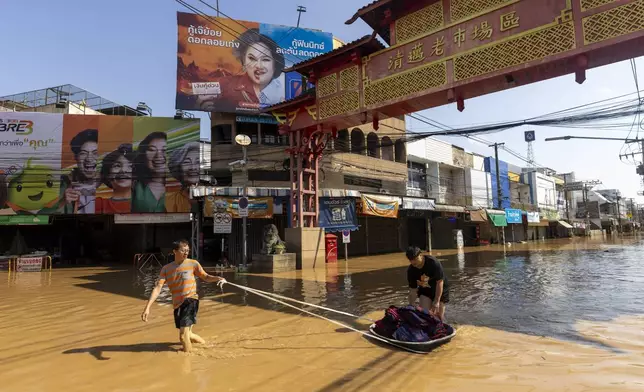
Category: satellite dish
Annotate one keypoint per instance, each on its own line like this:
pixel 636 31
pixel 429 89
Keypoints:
pixel 242 140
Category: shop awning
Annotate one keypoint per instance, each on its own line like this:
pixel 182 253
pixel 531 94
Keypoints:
pixel 498 220
pixel 543 223
pixel 566 225
pixel 478 216
pixel 448 208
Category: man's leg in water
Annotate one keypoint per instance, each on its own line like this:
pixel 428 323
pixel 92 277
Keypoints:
pixel 441 311
pixel 184 336
pixel 194 338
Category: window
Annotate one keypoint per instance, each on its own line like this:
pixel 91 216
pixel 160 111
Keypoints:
pixel 271 136
pixel 248 129
pixel 387 149
pixel 342 142
pixel 401 151
pixel 416 175
pixel 372 145
pixel 222 134
pixel 357 141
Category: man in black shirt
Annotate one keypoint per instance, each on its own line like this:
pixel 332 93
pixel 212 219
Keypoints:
pixel 427 282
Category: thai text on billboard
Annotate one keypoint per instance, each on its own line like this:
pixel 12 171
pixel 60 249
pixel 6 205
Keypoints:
pixel 232 66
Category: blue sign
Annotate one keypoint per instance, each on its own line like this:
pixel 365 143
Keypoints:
pixel 296 45
pixel 338 213
pixel 514 216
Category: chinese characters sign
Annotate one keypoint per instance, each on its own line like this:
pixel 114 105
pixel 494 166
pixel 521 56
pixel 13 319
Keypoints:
pixel 462 37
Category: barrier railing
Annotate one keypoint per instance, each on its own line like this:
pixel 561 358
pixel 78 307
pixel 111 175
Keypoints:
pixel 141 259
pixel 46 264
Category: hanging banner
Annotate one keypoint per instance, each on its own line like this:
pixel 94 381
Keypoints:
pixel 551 215
pixel 372 207
pixel 533 217
pixel 338 213
pixel 513 216
pixel 29 264
pixel 258 208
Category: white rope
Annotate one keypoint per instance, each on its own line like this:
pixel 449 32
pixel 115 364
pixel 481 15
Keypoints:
pixel 256 292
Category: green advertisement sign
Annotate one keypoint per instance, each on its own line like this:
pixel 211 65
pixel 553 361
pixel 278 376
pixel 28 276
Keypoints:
pixel 7 220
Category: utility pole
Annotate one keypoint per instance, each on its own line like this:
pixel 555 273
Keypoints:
pixel 619 216
pixel 499 193
pixel 300 9
pixel 585 195
pixel 244 219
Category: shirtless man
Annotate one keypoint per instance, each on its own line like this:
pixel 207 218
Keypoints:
pixel 427 282
pixel 180 276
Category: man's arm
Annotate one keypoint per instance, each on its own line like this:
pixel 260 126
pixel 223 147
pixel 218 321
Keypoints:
pixel 212 278
pixel 413 296
pixel 437 297
pixel 203 275
pixel 153 297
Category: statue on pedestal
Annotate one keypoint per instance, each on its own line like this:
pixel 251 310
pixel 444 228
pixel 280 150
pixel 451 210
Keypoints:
pixel 272 241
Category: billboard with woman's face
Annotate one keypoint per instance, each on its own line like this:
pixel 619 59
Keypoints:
pixel 76 164
pixel 231 66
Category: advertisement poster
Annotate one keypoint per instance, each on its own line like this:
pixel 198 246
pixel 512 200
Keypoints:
pixel 231 66
pixel 373 207
pixel 533 217
pixel 76 164
pixel 513 216
pixel 338 213
pixel 258 208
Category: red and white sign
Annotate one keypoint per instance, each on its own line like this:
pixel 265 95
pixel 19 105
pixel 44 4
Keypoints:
pixel 29 264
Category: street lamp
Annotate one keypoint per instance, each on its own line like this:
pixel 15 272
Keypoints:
pixel 244 141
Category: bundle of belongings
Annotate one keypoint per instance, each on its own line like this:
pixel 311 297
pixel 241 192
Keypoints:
pixel 410 324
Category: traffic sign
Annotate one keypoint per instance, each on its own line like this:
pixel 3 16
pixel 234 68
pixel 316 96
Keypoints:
pixel 223 223
pixel 243 207
pixel 346 236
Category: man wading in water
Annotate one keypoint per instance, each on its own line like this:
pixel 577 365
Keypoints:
pixel 180 276
pixel 427 283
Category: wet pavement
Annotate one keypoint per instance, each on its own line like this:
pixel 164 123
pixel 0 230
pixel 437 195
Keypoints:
pixel 556 315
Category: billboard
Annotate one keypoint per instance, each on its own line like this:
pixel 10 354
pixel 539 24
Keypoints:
pixel 231 66
pixel 77 164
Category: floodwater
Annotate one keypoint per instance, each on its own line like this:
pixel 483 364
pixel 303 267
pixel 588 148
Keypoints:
pixel 565 315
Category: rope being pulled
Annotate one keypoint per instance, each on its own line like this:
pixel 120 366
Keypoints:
pixel 276 298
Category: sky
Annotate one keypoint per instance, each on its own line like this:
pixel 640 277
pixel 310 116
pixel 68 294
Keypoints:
pixel 125 51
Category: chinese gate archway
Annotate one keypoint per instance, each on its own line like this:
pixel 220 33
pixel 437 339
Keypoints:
pixel 440 52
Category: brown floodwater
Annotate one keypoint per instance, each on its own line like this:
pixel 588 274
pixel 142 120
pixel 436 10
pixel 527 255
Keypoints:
pixel 565 315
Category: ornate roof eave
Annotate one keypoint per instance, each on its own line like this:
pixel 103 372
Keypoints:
pixel 364 46
pixel 373 14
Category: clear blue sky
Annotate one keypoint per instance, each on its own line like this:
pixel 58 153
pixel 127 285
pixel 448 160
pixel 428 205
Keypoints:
pixel 125 51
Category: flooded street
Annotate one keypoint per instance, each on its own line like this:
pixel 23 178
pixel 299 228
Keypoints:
pixel 565 315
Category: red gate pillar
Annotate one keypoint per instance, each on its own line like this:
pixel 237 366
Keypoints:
pixel 305 149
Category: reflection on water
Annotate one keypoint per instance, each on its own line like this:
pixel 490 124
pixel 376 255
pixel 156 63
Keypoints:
pixel 537 292
pixel 563 315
